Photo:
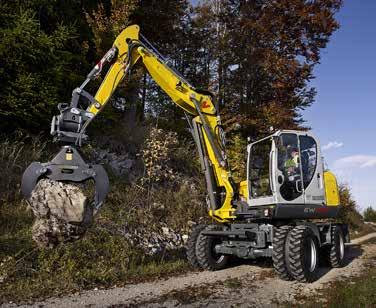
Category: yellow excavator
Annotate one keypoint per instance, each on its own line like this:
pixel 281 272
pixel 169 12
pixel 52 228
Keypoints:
pixel 285 209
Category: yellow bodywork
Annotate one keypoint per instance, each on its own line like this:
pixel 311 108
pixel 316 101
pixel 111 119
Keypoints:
pixel 180 92
pixel 331 189
pixel 243 190
pixel 116 73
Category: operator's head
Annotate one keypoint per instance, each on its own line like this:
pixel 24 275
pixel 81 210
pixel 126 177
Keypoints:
pixel 292 151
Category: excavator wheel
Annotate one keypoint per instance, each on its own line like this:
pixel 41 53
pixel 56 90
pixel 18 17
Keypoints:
pixel 191 245
pixel 302 254
pixel 205 251
pixel 336 253
pixel 279 252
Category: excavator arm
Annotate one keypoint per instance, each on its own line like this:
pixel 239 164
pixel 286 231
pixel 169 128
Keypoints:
pixel 69 127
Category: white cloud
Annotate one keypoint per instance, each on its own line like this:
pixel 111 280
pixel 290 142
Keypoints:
pixel 332 145
pixel 356 161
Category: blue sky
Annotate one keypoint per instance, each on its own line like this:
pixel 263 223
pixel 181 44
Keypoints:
pixel 344 114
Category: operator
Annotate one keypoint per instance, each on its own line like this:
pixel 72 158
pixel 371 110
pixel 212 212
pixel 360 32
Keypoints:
pixel 292 164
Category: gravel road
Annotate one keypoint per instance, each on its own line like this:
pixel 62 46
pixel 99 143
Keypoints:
pixel 245 285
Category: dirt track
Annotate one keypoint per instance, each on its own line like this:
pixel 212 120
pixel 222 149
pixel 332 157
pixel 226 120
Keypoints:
pixel 246 285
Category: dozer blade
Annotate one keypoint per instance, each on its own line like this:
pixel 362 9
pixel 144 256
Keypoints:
pixel 67 166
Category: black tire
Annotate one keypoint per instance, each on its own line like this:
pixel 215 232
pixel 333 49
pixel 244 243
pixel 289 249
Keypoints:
pixel 206 256
pixel 191 245
pixel 279 252
pixel 337 249
pixel 302 254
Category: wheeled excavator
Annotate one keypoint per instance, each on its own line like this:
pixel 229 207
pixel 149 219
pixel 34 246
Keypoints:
pixel 285 209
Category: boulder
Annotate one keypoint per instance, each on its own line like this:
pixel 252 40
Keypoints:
pixel 62 211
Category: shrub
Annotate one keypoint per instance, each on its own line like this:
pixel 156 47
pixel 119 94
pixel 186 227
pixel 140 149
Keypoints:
pixel 349 212
pixel 370 214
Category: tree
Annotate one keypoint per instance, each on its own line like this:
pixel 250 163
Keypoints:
pixel 265 52
pixel 162 22
pixel 166 24
pixel 38 50
pixel 370 214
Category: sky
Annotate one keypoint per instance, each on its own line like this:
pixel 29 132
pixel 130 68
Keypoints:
pixel 344 114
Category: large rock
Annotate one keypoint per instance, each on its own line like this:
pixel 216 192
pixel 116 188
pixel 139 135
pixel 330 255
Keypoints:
pixel 62 212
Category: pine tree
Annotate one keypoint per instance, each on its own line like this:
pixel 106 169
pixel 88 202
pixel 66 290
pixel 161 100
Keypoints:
pixel 38 51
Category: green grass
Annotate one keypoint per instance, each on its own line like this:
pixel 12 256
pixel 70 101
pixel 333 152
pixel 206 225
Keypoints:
pixel 233 283
pixel 355 292
pixel 101 259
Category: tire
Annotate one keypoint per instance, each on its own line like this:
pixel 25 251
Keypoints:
pixel 337 249
pixel 302 254
pixel 279 252
pixel 191 245
pixel 206 256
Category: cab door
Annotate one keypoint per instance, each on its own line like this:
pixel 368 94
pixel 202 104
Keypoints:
pixel 260 181
pixel 288 170
pixel 312 170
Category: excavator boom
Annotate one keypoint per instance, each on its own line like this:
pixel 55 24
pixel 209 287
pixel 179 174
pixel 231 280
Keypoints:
pixel 128 51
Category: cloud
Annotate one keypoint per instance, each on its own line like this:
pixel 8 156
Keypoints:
pixel 332 145
pixel 356 161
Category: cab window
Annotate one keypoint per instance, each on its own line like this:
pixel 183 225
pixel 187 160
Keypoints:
pixel 308 149
pixel 289 165
pixel 258 173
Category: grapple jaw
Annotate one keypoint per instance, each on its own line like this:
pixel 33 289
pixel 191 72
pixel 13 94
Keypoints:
pixel 67 166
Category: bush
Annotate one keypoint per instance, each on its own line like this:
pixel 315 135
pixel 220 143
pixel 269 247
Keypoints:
pixel 370 214
pixel 349 212
pixel 15 156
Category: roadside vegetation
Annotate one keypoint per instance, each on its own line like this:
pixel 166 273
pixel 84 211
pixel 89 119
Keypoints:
pixel 350 214
pixel 370 215
pixel 359 292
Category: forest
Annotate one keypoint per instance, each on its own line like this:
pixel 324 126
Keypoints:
pixel 257 57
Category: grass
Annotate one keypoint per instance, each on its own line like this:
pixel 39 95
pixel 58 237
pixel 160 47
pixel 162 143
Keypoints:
pixel 104 257
pixel 357 292
pixel 101 259
pixel 233 283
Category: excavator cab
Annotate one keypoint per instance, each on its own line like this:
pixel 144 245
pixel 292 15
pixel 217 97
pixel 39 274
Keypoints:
pixel 285 170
